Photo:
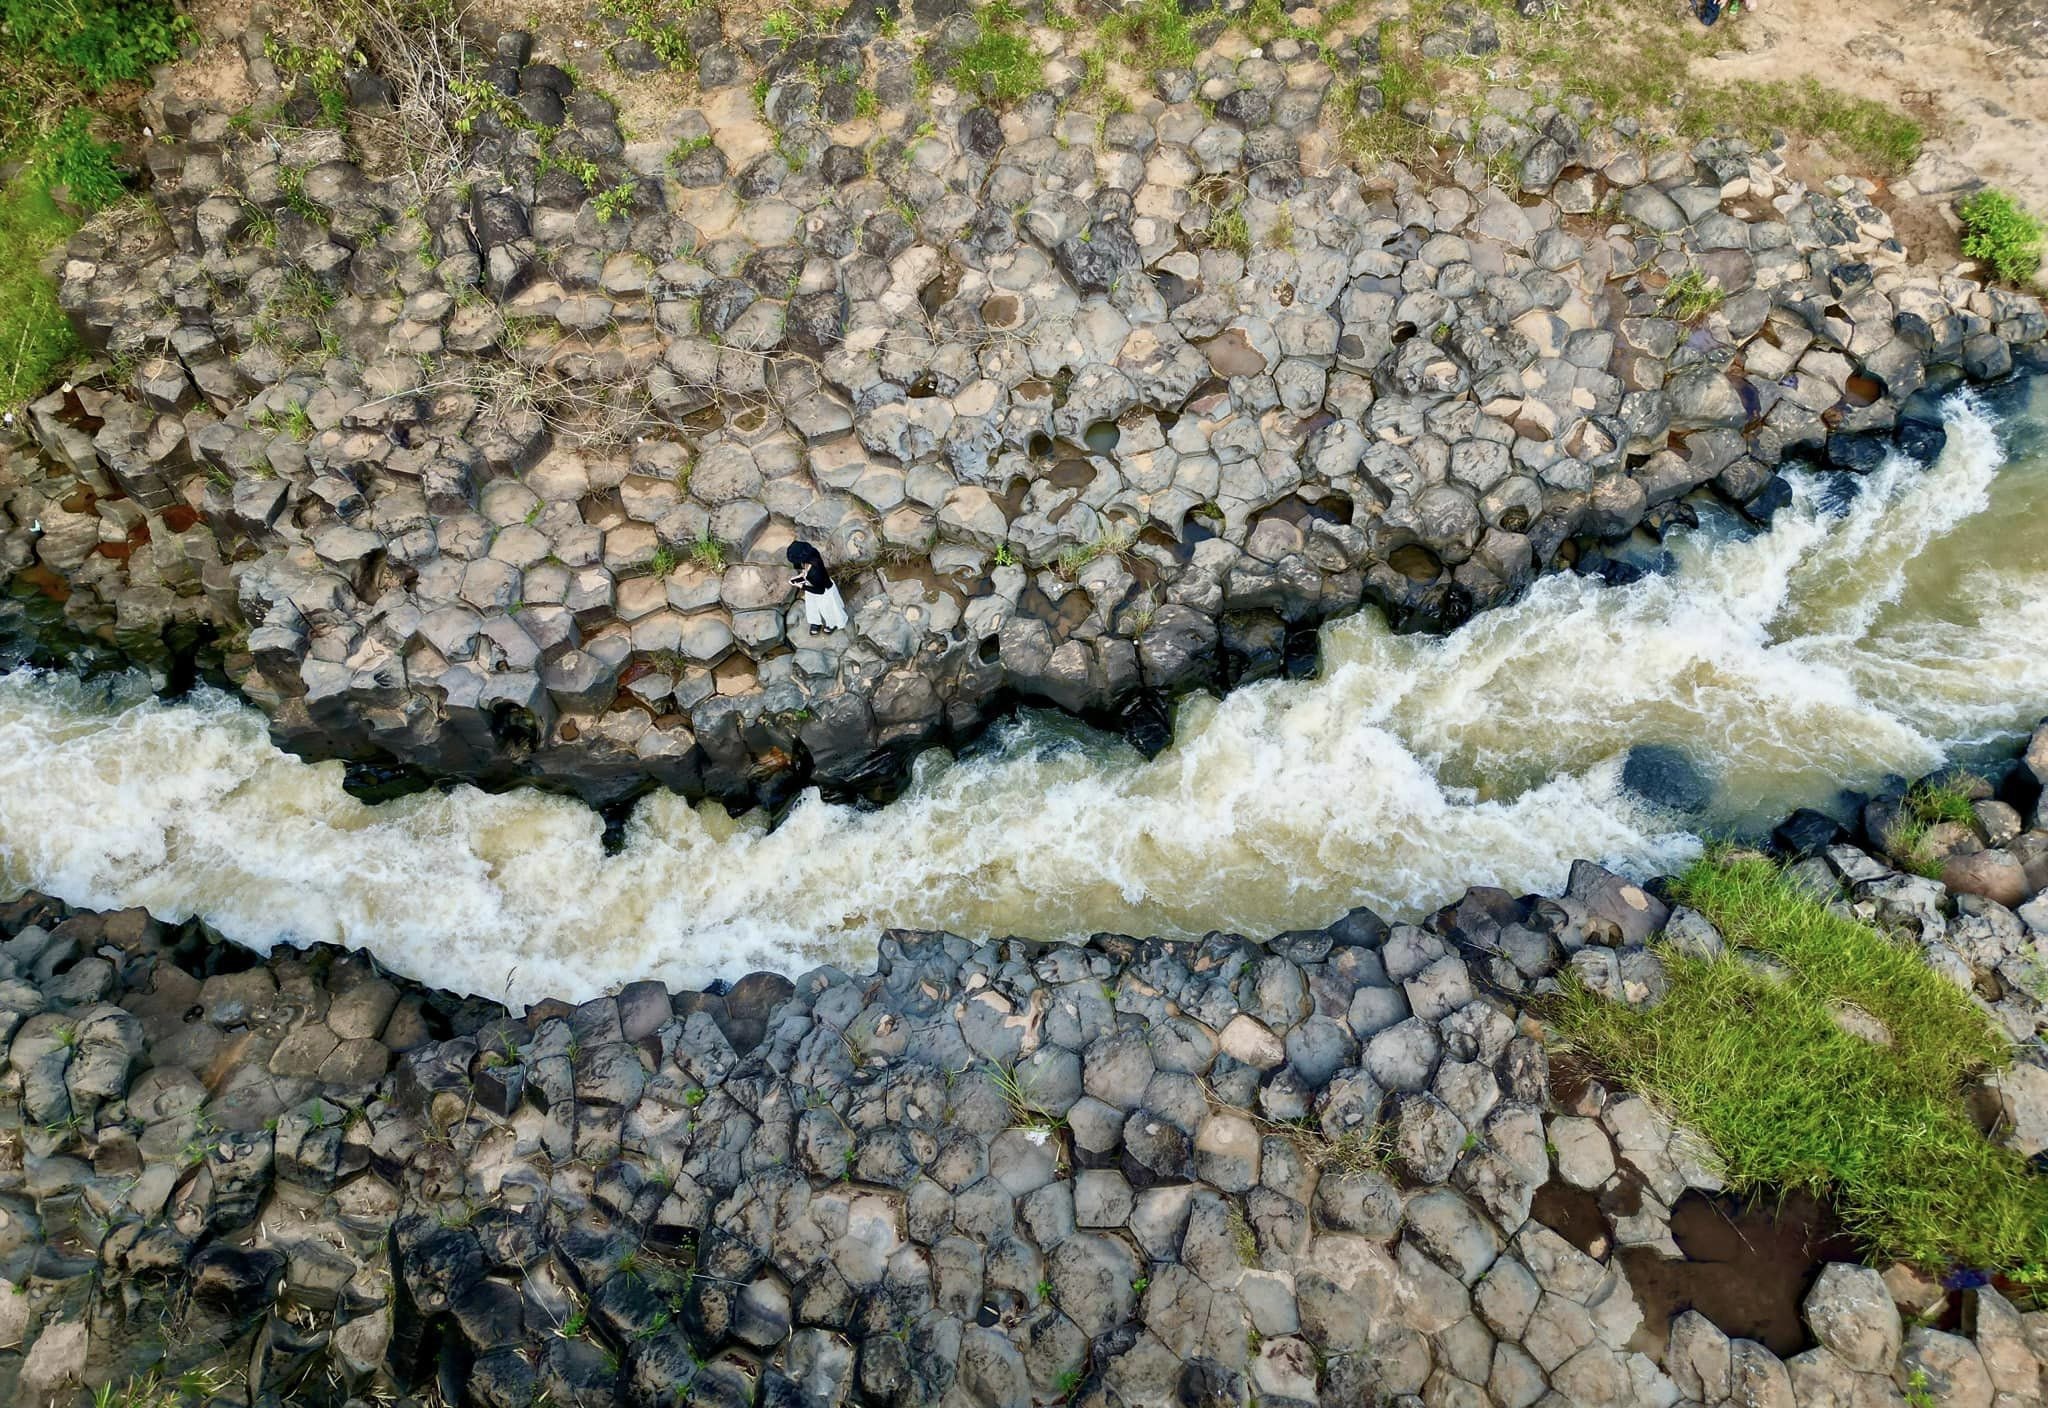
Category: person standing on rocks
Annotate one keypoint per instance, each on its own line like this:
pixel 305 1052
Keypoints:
pixel 824 608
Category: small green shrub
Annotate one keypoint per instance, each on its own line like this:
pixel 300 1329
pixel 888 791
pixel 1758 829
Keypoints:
pixel 649 22
pixel 616 203
pixel 83 166
pixel 1997 231
pixel 688 148
pixel 103 41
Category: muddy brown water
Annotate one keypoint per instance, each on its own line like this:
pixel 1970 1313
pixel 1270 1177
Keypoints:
pixel 1863 635
pixel 1748 1262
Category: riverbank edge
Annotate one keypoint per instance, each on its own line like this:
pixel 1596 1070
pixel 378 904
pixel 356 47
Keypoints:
pixel 1019 1171
pixel 194 486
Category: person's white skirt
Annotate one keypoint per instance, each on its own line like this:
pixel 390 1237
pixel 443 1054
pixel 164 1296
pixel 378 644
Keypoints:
pixel 826 609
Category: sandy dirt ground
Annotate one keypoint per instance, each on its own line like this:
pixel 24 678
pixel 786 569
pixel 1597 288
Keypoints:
pixel 1975 75
pixel 1975 72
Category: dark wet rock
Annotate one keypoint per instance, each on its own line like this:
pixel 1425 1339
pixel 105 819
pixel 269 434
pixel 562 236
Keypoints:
pixel 1666 777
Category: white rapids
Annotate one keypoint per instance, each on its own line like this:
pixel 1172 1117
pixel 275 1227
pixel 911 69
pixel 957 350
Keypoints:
pixel 1836 648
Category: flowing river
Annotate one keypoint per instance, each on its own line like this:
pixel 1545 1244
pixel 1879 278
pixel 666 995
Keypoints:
pixel 1853 640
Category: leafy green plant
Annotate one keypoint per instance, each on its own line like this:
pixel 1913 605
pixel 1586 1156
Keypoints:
pixel 646 21
pixel 663 562
pixel 82 166
pixel 688 148
pixel 616 203
pixel 323 69
pixel 2000 233
pixel 103 41
pixel 1790 1100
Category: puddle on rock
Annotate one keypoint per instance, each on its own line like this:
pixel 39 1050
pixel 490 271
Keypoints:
pixel 1231 353
pixel 1748 1262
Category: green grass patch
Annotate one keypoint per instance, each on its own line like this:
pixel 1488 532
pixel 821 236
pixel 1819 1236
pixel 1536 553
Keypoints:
pixel 35 337
pixel 1154 34
pixel 1791 1101
pixel 1887 139
pixel 1000 64
pixel 2000 233
pixel 1636 61
pixel 1266 20
pixel 1405 77
pixel 83 166
pixel 57 58
pixel 707 551
pixel 1114 543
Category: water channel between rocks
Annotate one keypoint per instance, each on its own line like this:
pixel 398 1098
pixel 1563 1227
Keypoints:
pixel 1871 631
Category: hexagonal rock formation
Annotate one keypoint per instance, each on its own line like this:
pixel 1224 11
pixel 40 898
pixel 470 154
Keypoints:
pixel 1125 1174
pixel 491 473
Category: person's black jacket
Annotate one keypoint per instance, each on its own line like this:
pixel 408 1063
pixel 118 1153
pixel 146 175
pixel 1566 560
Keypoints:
pixel 811 573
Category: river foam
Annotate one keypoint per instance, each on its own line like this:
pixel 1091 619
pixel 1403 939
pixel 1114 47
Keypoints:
pixel 1842 645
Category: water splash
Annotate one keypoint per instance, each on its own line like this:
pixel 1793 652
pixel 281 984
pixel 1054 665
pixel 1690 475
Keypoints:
pixel 1836 648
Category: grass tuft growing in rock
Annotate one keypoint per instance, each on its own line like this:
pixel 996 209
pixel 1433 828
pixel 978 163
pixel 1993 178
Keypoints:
pixel 1926 806
pixel 1113 543
pixel 152 1390
pixel 1791 1100
pixel 1691 296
